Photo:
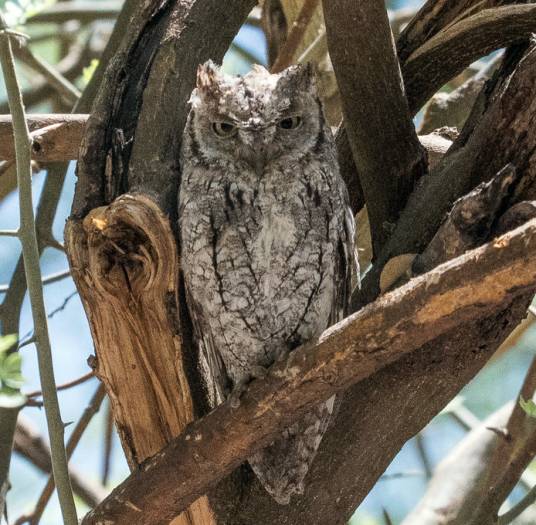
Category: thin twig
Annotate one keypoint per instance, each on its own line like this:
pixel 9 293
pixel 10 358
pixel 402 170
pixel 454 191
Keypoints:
pixel 65 386
pixel 62 306
pixel 54 78
pixel 28 238
pixel 108 444
pixel 421 449
pixel 49 279
pixel 33 446
pixel 518 508
pixel 80 10
pixel 9 233
pixel 74 439
pixel 296 33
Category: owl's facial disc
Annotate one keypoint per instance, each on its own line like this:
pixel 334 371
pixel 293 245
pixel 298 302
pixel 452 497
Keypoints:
pixel 259 119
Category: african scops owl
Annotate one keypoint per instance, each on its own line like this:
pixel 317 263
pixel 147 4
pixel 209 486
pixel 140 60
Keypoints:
pixel 266 240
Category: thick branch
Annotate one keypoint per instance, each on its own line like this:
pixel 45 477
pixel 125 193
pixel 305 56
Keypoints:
pixel 472 482
pixel 467 288
pixel 497 134
pixel 452 50
pixel 434 16
pixel 449 53
pixel 55 137
pixel 457 484
pixel 377 116
pixel 510 458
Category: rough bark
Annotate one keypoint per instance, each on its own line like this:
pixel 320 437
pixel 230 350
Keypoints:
pixel 464 289
pixel 56 138
pixel 452 50
pixel 434 16
pixel 122 153
pixel 122 250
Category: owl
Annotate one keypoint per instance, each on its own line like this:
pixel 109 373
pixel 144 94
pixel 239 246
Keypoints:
pixel 266 241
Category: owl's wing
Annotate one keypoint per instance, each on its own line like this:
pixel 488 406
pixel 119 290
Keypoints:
pixel 211 366
pixel 347 266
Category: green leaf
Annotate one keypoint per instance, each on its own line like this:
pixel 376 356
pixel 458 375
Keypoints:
pixel 11 398
pixel 88 71
pixel 7 341
pixel 528 406
pixel 12 364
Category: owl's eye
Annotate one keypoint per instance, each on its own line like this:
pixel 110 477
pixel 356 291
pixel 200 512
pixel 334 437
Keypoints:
pixel 223 129
pixel 290 122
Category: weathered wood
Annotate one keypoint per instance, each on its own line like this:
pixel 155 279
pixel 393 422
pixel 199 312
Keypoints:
pixel 447 55
pixel 498 132
pixel 464 289
pixel 123 249
pixel 398 401
pixel 57 137
pixel 125 264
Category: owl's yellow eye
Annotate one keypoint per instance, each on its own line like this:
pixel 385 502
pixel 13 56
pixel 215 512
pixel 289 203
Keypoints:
pixel 290 122
pixel 223 129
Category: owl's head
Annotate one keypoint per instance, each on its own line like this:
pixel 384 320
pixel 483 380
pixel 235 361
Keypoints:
pixel 258 118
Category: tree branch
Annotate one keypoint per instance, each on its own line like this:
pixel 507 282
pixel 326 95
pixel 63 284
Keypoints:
pixel 472 482
pixel 500 125
pixel 434 16
pixel 28 238
pixel 86 417
pixel 32 447
pixel 467 288
pixel 510 458
pixel 480 42
pixel 295 36
pixel 452 50
pixel 377 117
pixel 79 10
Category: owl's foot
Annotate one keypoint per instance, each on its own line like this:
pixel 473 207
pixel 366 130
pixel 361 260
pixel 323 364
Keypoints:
pixel 256 372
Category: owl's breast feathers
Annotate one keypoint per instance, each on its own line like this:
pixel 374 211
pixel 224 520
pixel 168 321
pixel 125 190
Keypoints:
pixel 266 240
pixel 262 257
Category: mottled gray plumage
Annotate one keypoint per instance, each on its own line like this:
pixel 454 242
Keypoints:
pixel 266 240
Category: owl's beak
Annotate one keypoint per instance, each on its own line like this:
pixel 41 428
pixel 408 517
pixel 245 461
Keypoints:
pixel 257 142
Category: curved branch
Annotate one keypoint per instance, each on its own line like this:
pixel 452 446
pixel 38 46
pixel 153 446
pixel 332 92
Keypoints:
pixel 466 288
pixel 452 50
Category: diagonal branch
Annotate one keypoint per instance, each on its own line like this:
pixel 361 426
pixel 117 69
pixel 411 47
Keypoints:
pixel 386 151
pixel 467 288
pixel 434 16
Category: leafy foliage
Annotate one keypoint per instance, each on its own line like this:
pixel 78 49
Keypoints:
pixel 11 378
pixel 528 406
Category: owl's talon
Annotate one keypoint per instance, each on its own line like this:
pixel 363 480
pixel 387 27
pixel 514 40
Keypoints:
pixel 256 372
pixel 236 394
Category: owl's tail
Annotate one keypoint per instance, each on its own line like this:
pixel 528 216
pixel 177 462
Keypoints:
pixel 282 466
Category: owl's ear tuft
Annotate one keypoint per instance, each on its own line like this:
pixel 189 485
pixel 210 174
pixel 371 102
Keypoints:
pixel 301 76
pixel 208 76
